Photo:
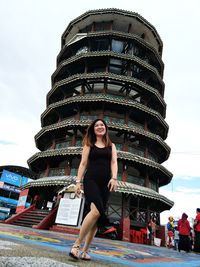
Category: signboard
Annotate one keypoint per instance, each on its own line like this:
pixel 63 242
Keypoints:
pixel 69 211
pixel 22 200
pixel 11 178
pixel 11 188
pixel 14 179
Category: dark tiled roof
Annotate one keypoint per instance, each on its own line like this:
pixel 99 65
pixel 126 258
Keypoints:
pixel 115 11
pixel 123 187
pixel 109 99
pixel 121 154
pixel 145 161
pixel 50 181
pixel 113 34
pixel 134 189
pixel 110 54
pixel 111 76
pixel 111 125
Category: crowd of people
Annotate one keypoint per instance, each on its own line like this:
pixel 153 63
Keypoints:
pixel 182 236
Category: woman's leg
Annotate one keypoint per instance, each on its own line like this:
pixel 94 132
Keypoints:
pixel 89 238
pixel 88 224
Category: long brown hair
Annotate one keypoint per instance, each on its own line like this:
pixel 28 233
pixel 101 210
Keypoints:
pixel 90 137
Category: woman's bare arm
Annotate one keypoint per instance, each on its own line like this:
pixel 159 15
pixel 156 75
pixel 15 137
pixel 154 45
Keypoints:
pixel 114 169
pixel 81 169
pixel 83 163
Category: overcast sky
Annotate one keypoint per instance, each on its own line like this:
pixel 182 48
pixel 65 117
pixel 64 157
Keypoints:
pixel 30 41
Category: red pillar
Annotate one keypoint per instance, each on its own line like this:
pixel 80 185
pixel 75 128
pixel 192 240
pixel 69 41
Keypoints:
pixel 125 220
pixel 125 224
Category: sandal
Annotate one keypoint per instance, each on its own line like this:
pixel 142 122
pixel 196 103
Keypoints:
pixel 75 252
pixel 85 256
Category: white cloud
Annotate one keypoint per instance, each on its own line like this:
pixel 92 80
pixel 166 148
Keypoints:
pixel 184 202
pixel 186 178
pixel 188 191
pixel 17 141
pixel 183 164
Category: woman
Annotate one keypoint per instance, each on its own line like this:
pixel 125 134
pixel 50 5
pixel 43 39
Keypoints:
pixel 99 168
pixel 197 231
pixel 184 233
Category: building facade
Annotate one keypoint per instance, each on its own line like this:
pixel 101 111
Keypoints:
pixel 11 179
pixel 109 66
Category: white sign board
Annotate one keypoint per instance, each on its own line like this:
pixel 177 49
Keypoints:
pixel 49 204
pixel 69 211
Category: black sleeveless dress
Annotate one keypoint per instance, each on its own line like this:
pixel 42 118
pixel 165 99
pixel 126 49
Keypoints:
pixel 95 182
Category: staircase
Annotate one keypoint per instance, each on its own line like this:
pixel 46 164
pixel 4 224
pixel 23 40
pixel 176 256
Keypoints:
pixel 30 218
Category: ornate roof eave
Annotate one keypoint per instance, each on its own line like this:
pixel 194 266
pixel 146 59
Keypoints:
pixel 120 154
pixel 111 125
pixel 50 181
pixel 116 11
pixel 123 187
pixel 119 34
pixel 106 98
pixel 108 54
pixel 138 190
pixel 108 76
pixel 144 161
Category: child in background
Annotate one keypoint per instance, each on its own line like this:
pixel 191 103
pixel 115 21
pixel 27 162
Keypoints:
pixel 176 237
pixel 170 232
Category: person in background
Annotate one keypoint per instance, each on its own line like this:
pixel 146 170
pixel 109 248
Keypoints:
pixel 170 224
pixel 184 233
pixel 176 238
pixel 149 233
pixel 170 232
pixel 152 230
pixel 197 231
pixel 54 201
pixel 98 169
pixel 36 200
pixel 191 239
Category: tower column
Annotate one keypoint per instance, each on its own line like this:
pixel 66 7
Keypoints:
pixel 125 219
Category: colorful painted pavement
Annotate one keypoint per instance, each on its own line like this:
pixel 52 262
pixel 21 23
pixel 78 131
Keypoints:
pixel 123 253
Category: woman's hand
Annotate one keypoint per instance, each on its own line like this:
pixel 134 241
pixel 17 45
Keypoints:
pixel 112 184
pixel 78 189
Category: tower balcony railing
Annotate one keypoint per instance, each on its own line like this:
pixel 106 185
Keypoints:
pixel 122 155
pixel 53 172
pixel 109 53
pixel 130 38
pixel 106 98
pixel 131 128
pixel 107 76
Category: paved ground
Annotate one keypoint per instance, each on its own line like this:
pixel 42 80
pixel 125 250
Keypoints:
pixel 20 246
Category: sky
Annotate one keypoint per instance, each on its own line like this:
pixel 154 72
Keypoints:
pixel 30 40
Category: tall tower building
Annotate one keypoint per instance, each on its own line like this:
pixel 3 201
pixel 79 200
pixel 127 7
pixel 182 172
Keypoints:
pixel 109 66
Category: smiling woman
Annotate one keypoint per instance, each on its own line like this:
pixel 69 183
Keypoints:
pixel 98 169
pixel 24 76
